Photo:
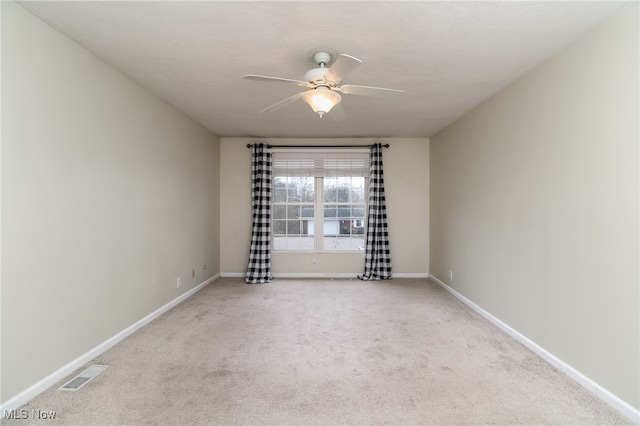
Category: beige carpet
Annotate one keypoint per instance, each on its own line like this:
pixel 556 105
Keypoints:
pixel 326 352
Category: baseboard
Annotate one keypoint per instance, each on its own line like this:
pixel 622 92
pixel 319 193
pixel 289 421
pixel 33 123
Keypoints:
pixel 44 384
pixel 618 404
pixel 341 275
pixel 295 275
pixel 410 275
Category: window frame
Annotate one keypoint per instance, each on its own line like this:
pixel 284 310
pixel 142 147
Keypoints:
pixel 319 237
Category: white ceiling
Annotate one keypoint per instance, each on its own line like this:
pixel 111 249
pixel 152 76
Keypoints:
pixel 448 55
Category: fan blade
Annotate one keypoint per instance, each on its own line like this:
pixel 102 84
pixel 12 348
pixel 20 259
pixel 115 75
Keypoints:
pixel 282 103
pixel 341 67
pixel 379 92
pixel 337 113
pixel 278 79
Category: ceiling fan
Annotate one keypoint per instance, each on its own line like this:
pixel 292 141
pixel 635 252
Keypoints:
pixel 323 85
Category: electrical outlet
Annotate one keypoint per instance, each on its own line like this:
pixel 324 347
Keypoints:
pixel 204 267
pixel 314 261
pixel 179 282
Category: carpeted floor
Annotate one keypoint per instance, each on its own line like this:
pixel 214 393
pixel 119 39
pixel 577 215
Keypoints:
pixel 323 352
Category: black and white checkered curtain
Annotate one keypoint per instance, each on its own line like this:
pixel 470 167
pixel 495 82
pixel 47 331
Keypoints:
pixel 259 269
pixel 377 258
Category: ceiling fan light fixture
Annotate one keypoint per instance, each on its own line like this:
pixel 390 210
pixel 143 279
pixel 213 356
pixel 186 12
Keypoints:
pixel 321 99
pixel 324 85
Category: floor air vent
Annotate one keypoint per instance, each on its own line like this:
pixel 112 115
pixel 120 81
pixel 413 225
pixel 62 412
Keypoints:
pixel 83 378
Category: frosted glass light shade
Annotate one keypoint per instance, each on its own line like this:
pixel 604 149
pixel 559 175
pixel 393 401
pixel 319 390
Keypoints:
pixel 321 100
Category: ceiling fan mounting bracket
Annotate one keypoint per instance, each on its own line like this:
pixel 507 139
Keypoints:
pixel 322 58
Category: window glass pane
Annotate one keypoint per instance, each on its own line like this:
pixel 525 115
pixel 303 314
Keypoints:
pixel 352 243
pixel 331 227
pixel 301 243
pixel 344 222
pixel 292 243
pixel 300 189
pixel 359 211
pixel 344 212
pixel 330 211
pixel 330 189
pixel 343 189
pixel 293 227
pixel 279 189
pixel 307 189
pixel 293 212
pixel 279 243
pixel 357 189
pixel 280 194
pixel 292 194
pixel 307 212
pixel 279 227
pixel 279 212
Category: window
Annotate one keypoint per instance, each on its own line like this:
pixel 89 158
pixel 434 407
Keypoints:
pixel 343 205
pixel 319 200
pixel 293 210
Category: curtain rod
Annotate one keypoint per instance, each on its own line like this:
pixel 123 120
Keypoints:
pixel 249 145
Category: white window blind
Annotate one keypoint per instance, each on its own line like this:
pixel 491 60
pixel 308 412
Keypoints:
pixel 321 163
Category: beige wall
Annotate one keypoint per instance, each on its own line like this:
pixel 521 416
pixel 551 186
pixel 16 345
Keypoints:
pixel 108 195
pixel 534 206
pixel 406 171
